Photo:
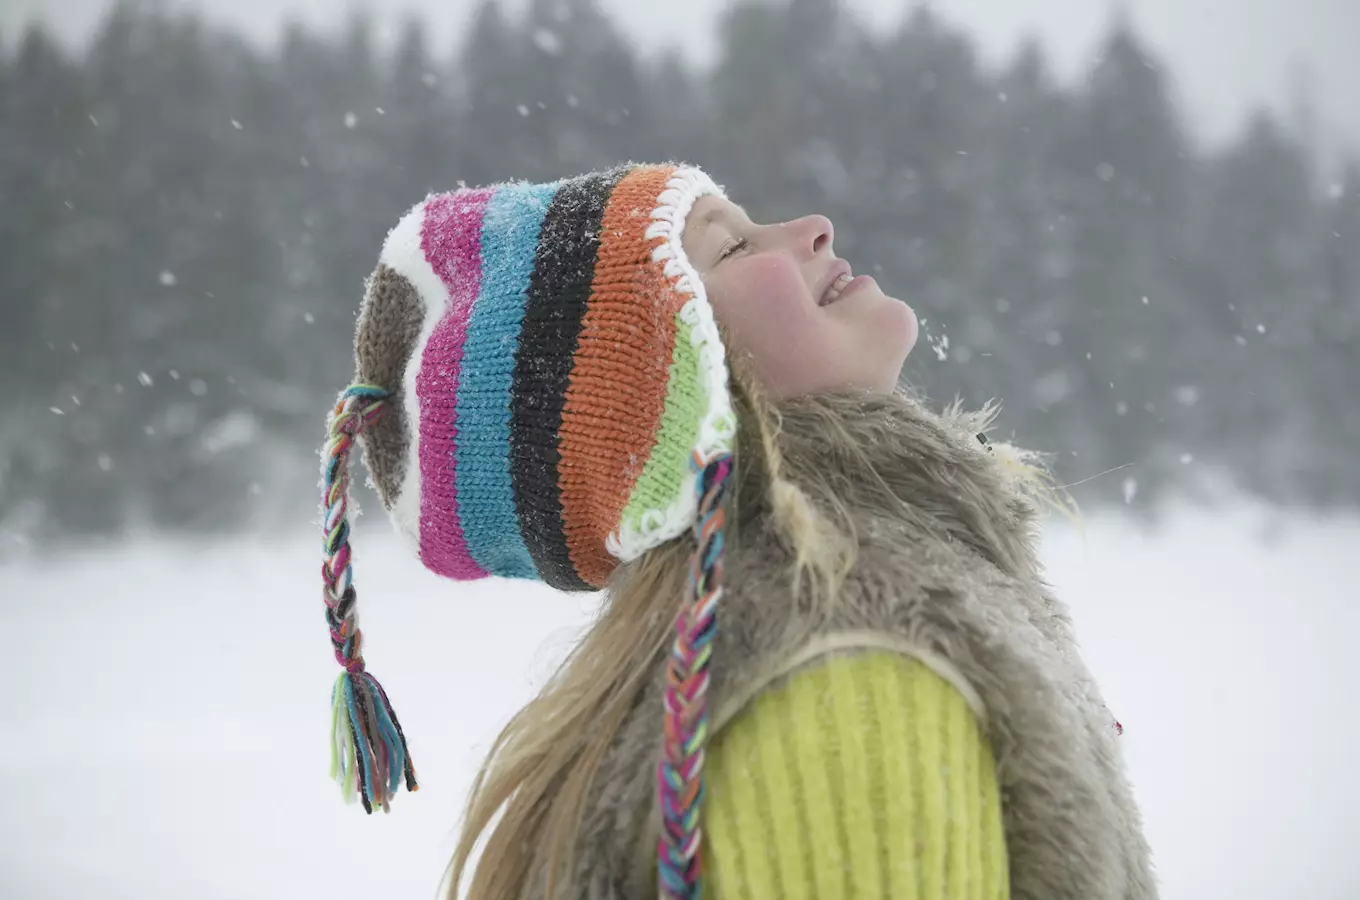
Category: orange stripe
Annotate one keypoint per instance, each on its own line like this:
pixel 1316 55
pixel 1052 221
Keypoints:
pixel 618 385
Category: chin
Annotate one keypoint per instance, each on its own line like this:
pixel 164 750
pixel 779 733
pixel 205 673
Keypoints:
pixel 895 323
pixel 912 326
pixel 892 334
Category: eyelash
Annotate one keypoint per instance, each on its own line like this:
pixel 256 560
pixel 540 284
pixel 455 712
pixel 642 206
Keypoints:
pixel 735 248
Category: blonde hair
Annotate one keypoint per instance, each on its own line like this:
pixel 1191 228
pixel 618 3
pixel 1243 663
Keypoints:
pixel 539 771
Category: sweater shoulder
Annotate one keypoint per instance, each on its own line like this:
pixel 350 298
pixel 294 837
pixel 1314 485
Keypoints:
pixel 860 775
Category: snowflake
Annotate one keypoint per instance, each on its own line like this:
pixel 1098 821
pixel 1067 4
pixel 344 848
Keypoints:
pixel 548 42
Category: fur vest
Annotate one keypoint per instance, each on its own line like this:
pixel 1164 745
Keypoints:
pixel 946 569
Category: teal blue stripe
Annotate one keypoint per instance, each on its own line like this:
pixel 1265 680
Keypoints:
pixel 486 500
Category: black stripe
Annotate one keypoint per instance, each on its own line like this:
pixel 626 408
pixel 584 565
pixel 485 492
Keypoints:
pixel 559 289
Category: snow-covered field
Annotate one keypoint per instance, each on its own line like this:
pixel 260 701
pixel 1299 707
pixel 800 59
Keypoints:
pixel 166 709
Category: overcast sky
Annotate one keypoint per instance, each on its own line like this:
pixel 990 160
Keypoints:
pixel 1227 55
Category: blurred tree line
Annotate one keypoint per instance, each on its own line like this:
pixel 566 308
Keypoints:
pixel 188 219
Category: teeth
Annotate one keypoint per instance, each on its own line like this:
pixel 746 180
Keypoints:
pixel 834 292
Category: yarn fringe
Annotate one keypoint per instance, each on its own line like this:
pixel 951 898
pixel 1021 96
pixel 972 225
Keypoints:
pixel 368 751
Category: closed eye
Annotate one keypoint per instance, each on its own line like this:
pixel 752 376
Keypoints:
pixel 734 248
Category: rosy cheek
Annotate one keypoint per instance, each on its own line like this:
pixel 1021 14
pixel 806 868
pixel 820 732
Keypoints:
pixel 760 289
pixel 765 306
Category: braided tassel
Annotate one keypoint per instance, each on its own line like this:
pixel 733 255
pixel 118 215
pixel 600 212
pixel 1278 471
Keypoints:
pixel 680 781
pixel 368 751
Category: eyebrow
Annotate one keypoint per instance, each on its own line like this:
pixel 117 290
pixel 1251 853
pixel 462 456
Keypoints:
pixel 718 212
pixel 709 217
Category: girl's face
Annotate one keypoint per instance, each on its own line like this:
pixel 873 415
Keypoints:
pixel 794 311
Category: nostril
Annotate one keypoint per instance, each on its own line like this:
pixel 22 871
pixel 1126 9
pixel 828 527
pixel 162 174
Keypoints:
pixel 824 233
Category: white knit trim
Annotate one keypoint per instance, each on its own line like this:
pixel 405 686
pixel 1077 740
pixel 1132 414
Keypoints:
pixel 403 253
pixel 717 425
pixel 840 642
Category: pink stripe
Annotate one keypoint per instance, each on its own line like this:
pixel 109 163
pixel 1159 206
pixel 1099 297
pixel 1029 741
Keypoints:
pixel 451 237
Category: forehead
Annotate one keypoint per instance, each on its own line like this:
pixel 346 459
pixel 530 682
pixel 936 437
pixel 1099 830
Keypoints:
pixel 709 210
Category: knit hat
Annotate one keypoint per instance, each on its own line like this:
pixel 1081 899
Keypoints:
pixel 541 393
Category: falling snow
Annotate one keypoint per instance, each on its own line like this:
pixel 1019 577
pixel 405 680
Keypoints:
pixel 941 347
pixel 351 120
pixel 236 124
pixel 1187 395
pixel 145 379
pixel 233 430
pixel 523 110
pixel 1052 388
pixel 548 42
pixel 1130 489
pixel 168 278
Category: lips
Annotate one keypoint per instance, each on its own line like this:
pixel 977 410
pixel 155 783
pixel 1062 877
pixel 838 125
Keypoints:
pixel 837 288
pixel 836 280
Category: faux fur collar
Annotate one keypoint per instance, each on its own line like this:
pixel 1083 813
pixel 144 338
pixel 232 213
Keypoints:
pixel 944 528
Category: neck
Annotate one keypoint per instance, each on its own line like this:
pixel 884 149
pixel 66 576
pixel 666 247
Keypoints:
pixel 869 459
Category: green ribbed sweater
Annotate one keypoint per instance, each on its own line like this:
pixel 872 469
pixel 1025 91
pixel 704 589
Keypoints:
pixel 861 777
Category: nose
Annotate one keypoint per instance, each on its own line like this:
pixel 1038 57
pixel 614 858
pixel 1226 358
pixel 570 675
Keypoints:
pixel 812 235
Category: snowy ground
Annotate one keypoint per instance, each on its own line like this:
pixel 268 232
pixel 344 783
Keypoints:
pixel 166 710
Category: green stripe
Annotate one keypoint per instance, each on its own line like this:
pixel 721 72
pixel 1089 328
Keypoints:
pixel 659 485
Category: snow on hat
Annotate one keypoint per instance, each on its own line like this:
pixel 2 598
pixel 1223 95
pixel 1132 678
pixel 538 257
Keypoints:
pixel 541 393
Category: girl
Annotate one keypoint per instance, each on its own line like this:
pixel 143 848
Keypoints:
pixel 826 664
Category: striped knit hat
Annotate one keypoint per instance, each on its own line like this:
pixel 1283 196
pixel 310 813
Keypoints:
pixel 542 393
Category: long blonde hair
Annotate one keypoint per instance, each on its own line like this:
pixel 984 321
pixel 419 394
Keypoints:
pixel 539 771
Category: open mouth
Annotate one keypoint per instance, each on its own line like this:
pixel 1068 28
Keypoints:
pixel 833 293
